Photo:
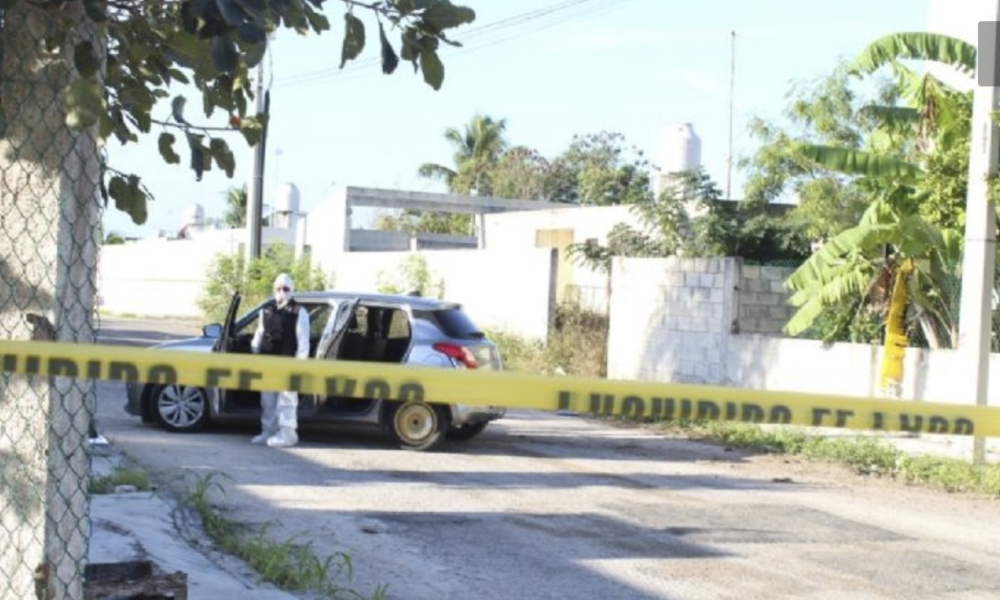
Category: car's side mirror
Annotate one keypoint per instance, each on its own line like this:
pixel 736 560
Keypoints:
pixel 212 331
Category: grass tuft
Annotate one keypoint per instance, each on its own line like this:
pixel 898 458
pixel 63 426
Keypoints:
pixel 120 476
pixel 290 565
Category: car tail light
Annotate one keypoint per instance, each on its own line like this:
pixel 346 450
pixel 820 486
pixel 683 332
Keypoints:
pixel 459 353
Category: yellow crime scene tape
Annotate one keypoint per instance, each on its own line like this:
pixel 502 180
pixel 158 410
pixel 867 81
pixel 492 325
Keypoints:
pixel 634 399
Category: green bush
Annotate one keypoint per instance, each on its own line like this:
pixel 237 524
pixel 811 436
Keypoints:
pixel 519 354
pixel 230 273
pixel 411 275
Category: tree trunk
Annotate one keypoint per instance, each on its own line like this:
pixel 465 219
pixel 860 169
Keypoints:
pixel 49 223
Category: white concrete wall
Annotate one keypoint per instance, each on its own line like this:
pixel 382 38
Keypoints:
pixel 671 321
pixel 507 289
pixel 519 230
pixel 161 277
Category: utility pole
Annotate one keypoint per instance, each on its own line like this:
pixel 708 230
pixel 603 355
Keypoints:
pixel 975 324
pixel 732 89
pixel 255 191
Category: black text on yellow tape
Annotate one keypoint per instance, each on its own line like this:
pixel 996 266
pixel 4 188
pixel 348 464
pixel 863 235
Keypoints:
pixel 587 395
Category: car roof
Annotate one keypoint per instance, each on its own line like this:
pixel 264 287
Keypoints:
pixel 415 302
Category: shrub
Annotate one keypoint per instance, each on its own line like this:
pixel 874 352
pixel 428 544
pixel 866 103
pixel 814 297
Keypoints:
pixel 230 273
pixel 577 345
pixel 411 275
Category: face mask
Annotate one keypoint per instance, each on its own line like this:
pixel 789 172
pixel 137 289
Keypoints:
pixel 282 296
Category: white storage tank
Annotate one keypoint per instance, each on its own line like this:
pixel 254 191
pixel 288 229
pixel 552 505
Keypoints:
pixel 194 216
pixel 679 149
pixel 286 206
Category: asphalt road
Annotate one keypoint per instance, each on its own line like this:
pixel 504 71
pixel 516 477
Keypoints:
pixel 544 506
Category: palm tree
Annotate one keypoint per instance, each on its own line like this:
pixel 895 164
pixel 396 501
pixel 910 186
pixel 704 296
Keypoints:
pixel 236 207
pixel 900 236
pixel 477 146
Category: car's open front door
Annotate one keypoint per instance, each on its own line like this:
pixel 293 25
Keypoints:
pixel 221 399
pixel 224 343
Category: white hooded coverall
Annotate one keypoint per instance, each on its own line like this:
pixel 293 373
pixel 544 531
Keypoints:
pixel 279 418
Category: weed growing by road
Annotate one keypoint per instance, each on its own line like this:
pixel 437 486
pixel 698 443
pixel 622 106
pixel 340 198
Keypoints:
pixel 290 565
pixel 864 454
pixel 577 346
pixel 120 476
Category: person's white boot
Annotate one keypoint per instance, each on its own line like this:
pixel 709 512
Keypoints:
pixel 285 438
pixel 262 437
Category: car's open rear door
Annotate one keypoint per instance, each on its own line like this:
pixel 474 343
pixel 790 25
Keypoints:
pixel 335 329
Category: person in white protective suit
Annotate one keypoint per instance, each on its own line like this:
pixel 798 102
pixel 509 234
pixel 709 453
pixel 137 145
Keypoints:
pixel 283 329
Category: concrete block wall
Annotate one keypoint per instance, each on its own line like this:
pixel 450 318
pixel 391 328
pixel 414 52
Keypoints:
pixel 762 299
pixel 670 318
pixel 670 322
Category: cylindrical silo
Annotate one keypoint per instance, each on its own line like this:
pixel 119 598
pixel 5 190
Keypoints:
pixel 679 149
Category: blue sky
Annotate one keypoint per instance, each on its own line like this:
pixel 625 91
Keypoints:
pixel 631 66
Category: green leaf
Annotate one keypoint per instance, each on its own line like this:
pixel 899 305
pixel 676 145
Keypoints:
pixel 201 161
pixel 225 54
pixel 432 67
pixel 84 104
pixel 252 129
pixel 917 46
pixel 896 117
pixel 251 34
pixel 118 189
pixel 105 126
pixel 230 11
pixel 445 15
pixel 129 197
pixel 179 76
pixel 411 45
pixel 856 162
pixel 223 155
pixel 354 39
pixel 166 144
pixel 94 10
pixel 254 54
pixel 85 60
pixel 318 21
pixel 389 59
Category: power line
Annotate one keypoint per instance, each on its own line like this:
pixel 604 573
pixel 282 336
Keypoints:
pixel 362 67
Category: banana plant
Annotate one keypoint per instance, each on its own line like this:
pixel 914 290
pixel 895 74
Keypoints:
pixel 859 266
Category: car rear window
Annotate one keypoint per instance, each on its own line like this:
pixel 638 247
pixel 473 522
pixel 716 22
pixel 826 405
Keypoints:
pixel 453 322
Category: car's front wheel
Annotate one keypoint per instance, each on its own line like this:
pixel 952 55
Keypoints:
pixel 179 408
pixel 418 425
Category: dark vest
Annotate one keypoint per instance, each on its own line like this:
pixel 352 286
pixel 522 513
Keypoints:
pixel 279 329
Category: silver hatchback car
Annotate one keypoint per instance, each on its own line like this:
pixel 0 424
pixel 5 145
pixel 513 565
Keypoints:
pixel 353 327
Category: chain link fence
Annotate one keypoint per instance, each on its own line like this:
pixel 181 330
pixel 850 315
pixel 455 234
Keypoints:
pixel 50 223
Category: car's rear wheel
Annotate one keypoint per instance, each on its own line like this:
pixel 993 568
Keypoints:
pixel 179 408
pixel 418 425
pixel 466 432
